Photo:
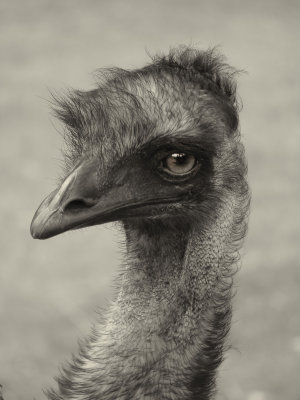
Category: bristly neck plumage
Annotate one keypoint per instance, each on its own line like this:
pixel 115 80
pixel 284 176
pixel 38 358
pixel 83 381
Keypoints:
pixel 163 338
pixel 182 297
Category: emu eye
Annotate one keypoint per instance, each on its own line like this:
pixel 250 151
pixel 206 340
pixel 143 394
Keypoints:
pixel 179 163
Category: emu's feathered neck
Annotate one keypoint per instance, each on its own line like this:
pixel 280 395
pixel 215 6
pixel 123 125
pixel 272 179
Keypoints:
pixel 175 301
pixel 163 338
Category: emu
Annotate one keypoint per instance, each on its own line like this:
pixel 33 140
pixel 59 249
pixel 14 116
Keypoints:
pixel 158 149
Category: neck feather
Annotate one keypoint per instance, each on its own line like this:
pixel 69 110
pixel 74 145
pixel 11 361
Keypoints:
pixel 163 337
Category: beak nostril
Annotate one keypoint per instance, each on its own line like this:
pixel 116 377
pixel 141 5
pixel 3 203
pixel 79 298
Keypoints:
pixel 78 205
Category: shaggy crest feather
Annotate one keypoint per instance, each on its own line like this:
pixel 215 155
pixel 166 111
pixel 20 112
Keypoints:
pixel 117 103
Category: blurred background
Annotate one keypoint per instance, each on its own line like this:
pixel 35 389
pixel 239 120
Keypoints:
pixel 49 290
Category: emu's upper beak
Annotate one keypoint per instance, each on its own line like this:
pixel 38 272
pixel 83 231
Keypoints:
pixel 86 198
pixel 77 203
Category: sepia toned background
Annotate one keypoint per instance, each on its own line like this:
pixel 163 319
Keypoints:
pixel 50 290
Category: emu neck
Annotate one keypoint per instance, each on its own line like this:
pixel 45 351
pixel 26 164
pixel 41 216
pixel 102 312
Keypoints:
pixel 163 337
pixel 175 302
pixel 155 264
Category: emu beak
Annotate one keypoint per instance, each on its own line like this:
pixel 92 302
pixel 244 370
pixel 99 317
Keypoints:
pixel 76 204
pixel 86 198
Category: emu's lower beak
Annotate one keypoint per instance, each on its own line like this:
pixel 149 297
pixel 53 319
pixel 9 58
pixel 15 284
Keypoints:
pixel 77 203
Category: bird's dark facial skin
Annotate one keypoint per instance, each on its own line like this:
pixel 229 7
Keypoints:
pixel 180 160
pixel 154 182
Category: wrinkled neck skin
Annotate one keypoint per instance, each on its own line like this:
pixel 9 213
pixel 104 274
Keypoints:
pixel 163 337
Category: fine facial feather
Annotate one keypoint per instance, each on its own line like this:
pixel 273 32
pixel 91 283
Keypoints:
pixel 129 108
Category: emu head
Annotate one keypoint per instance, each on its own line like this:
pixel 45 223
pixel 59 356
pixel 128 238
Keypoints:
pixel 159 143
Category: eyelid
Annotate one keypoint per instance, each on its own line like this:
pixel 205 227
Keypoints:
pixel 163 153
